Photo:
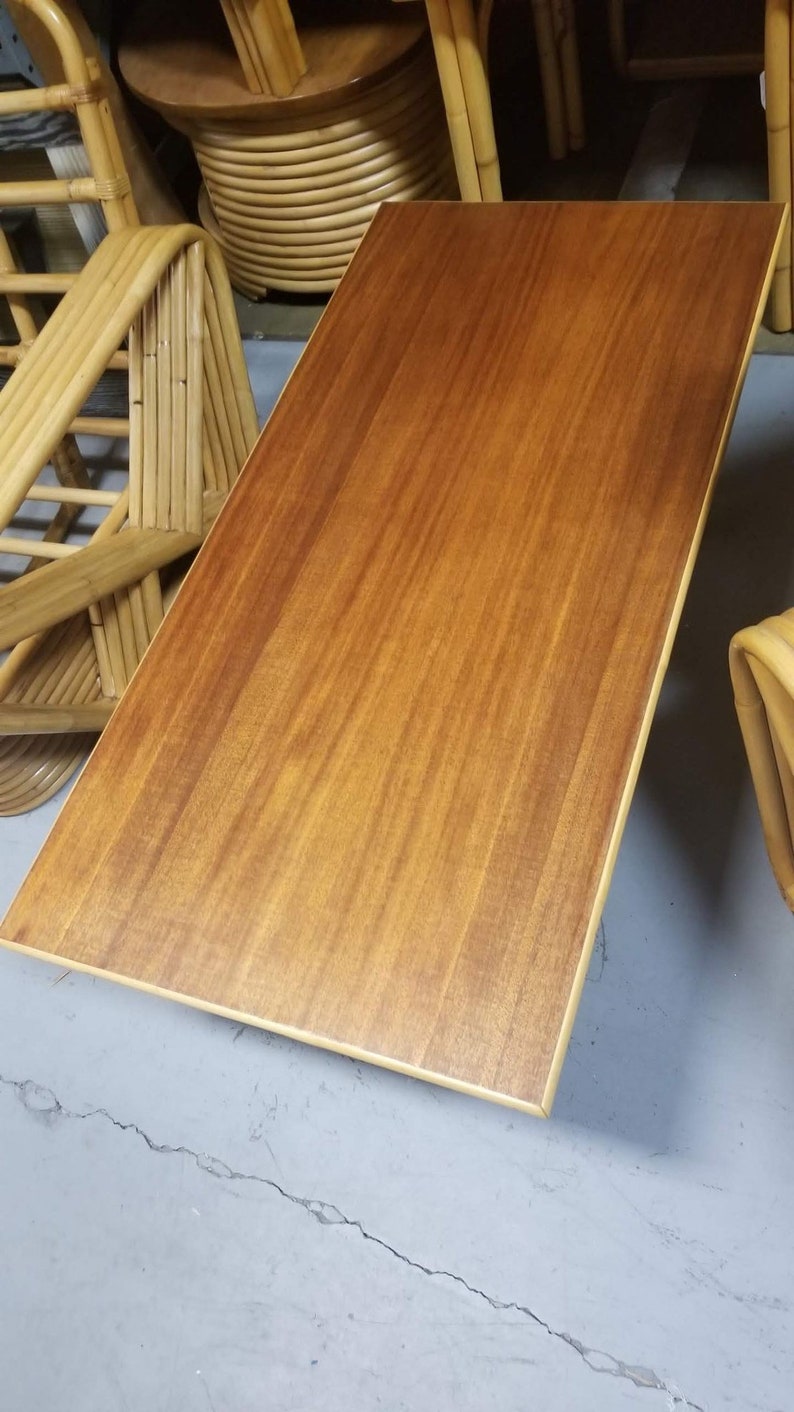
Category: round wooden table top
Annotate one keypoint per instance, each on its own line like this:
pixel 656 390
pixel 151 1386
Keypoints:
pixel 183 63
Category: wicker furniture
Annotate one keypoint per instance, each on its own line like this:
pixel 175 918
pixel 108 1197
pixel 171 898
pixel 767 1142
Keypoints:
pixel 460 31
pixel 65 52
pixel 267 44
pixel 76 628
pixel 70 654
pixel 292 181
pixel 375 803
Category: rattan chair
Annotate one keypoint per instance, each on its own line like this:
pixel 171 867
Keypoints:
pixel 460 30
pixel 31 770
pixel 82 95
pixel 154 301
pixel 558 63
pixel 76 628
pixel 762 669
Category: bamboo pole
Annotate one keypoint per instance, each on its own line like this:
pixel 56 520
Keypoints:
pixel 35 548
pixel 162 467
pixel 452 88
pixel 254 72
pixel 177 518
pixel 550 79
pixel 290 35
pixel 267 45
pixel 150 423
pixel 63 47
pixel 100 426
pixel 777 60
pixel 218 347
pixel 135 394
pixel 477 97
pixel 762 671
pixel 68 495
pixel 617 35
pixel 48 719
pixel 116 578
pixel 568 51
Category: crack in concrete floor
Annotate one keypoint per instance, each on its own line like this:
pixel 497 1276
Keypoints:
pixel 42 1102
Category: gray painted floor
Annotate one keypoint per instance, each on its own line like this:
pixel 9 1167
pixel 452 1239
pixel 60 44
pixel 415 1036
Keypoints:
pixel 198 1217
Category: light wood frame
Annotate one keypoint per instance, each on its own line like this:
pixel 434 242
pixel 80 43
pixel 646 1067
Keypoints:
pixel 288 205
pixel 777 61
pixel 762 670
pixel 76 628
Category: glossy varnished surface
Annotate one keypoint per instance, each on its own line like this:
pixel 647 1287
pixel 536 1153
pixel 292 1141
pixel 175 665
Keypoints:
pixel 367 786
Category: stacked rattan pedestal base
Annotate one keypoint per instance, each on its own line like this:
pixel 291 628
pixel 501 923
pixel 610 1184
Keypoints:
pixel 291 184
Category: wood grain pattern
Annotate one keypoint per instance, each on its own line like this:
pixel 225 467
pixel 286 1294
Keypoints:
pixel 375 802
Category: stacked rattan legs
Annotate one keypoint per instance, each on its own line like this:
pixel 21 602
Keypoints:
pixel 460 39
pixel 289 204
pixel 558 57
pixel 263 32
pixel 76 628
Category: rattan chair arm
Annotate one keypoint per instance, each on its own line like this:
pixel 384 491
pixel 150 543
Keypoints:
pixel 73 349
pixel 58 590
pixel 25 719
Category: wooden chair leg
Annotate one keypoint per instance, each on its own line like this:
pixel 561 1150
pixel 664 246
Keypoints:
pixel 550 79
pixel 477 97
pixel 617 36
pixel 443 35
pixel 568 51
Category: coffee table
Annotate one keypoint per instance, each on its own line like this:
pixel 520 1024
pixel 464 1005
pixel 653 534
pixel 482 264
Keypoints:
pixel 368 784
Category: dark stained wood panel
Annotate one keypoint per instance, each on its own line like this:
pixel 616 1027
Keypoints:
pixel 368 785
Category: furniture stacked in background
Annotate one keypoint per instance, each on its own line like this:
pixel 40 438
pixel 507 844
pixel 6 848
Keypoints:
pixel 292 180
pixel 702 38
pixel 460 30
pixel 152 301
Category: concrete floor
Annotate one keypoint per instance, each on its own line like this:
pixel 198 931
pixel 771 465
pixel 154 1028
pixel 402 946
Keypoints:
pixel 199 1217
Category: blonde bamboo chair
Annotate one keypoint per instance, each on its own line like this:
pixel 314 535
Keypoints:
pixel 76 627
pixel 558 62
pixel 79 89
pixel 762 670
pixel 460 31
pixel 82 93
pixel 62 45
